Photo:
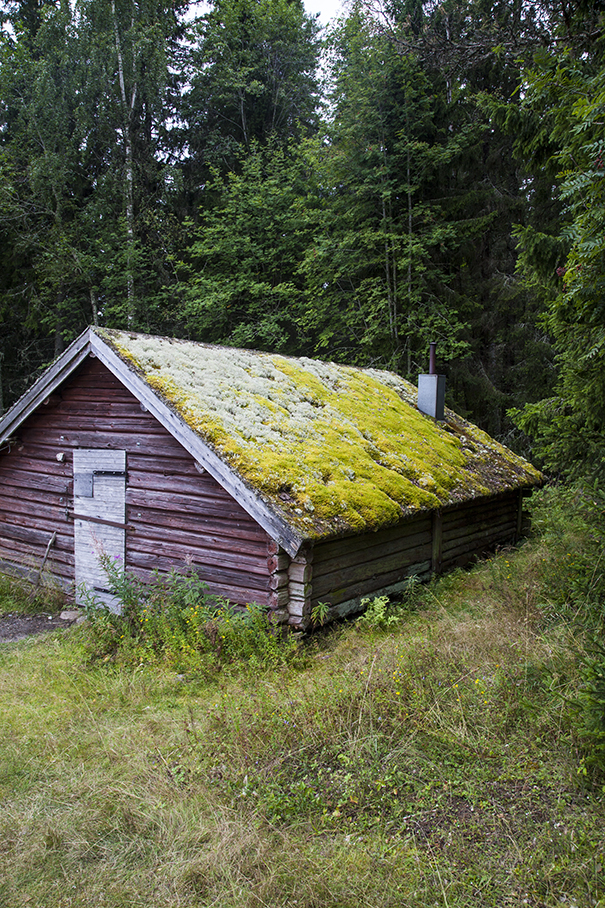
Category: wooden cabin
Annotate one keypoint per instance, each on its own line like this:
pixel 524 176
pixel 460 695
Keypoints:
pixel 287 482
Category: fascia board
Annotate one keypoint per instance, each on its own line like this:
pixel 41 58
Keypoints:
pixel 276 527
pixel 48 382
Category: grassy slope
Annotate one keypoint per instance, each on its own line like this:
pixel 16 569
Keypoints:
pixel 431 765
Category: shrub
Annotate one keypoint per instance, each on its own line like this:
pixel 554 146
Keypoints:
pixel 381 614
pixel 591 703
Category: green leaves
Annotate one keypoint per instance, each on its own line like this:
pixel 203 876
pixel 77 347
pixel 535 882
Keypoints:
pixel 570 428
pixel 243 287
pixel 253 79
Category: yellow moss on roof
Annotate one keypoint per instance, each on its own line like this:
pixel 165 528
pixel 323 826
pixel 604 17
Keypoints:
pixel 330 447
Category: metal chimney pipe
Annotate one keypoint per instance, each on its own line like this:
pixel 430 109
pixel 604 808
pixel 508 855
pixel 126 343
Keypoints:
pixel 431 389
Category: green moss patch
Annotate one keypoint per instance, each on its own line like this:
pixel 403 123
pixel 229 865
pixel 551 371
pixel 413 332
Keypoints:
pixel 331 447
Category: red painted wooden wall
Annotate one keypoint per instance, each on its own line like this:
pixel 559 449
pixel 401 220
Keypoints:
pixel 176 516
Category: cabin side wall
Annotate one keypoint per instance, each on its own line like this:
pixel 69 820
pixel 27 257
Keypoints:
pixel 475 527
pixel 176 516
pixel 344 571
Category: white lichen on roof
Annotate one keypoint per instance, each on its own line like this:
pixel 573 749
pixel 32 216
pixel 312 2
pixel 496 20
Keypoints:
pixel 332 448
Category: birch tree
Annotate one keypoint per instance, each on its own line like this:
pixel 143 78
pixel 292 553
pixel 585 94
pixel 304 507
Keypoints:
pixel 133 50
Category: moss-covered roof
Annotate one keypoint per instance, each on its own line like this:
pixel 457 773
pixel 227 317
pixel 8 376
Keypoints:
pixel 331 448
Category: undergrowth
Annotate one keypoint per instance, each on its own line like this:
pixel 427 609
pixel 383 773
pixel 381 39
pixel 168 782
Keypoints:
pixel 21 598
pixel 173 621
pixel 442 751
pixel 569 523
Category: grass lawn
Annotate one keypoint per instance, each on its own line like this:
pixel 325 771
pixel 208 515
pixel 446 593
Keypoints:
pixel 431 761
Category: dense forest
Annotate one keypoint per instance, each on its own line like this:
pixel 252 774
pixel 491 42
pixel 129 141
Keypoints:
pixel 422 171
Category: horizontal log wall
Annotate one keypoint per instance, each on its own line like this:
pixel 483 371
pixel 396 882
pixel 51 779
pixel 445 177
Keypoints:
pixel 346 570
pixel 35 494
pixel 357 566
pixel 176 516
pixel 476 527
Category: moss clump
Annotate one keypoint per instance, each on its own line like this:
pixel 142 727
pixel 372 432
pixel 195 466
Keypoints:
pixel 348 445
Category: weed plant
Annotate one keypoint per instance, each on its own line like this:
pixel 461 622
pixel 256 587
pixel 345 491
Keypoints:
pixel 173 621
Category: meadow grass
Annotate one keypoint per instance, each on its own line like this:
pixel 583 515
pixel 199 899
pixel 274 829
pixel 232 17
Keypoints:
pixel 435 763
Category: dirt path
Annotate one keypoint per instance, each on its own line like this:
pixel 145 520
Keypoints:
pixel 16 627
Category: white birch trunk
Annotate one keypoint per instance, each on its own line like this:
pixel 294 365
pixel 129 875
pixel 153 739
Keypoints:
pixel 127 114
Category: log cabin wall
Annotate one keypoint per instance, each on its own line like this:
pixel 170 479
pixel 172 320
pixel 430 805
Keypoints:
pixel 345 570
pixel 176 516
pixel 475 527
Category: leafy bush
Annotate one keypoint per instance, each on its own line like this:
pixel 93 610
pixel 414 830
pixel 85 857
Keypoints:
pixel 381 614
pixel 174 620
pixel 377 613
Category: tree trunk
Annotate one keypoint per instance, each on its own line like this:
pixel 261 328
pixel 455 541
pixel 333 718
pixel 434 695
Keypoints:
pixel 59 343
pixel 127 112
pixel 94 307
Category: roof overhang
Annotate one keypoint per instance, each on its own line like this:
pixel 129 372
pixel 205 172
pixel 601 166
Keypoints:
pixel 90 344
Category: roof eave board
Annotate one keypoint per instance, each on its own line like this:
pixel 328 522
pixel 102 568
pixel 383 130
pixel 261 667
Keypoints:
pixel 44 386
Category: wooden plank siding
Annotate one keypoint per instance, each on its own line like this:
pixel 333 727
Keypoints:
pixel 344 571
pixel 176 516
pixel 478 526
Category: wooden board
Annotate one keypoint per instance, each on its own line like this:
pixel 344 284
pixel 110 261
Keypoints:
pixel 94 539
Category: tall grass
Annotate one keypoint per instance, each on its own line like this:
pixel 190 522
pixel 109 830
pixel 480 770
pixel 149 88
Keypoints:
pixel 18 598
pixel 436 759
pixel 173 621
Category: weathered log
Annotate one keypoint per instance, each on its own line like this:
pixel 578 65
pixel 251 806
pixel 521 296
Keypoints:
pixel 278 562
pixel 335 549
pixel 301 573
pixel 373 585
pixel 279 580
pixel 358 551
pixel 351 575
pixel 481 537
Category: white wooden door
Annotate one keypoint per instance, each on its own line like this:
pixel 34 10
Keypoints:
pixel 99 519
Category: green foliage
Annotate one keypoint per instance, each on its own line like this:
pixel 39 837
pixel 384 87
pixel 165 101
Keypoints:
pixel 243 287
pixel 379 613
pixel 568 426
pixel 86 209
pixel 320 613
pixel 173 621
pixel 376 613
pixel 591 703
pixel 253 79
pixel 188 187
pixel 571 523
pixel 376 285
